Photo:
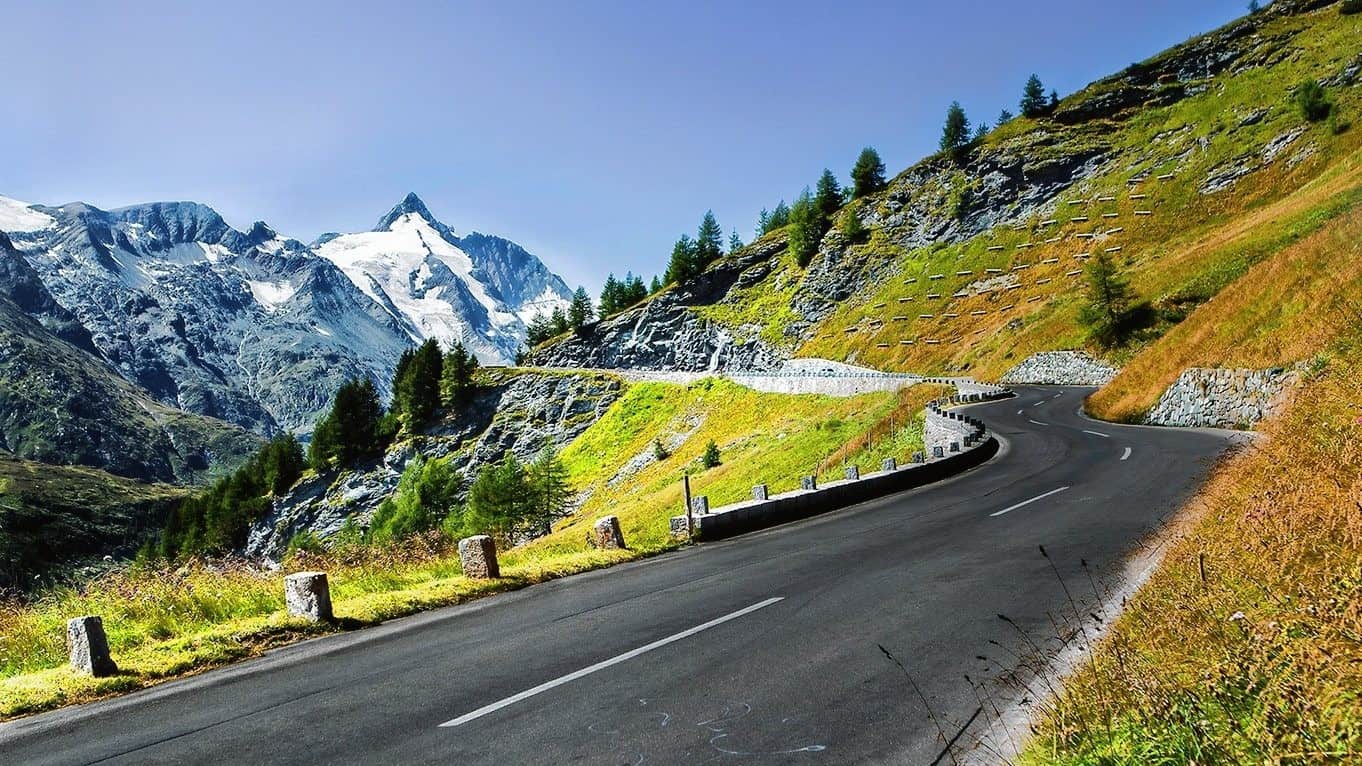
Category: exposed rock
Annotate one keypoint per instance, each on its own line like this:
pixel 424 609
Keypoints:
pixel 88 647
pixel 520 413
pixel 1222 398
pixel 478 556
pixel 1061 368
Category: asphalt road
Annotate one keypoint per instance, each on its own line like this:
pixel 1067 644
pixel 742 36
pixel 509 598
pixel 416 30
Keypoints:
pixel 768 648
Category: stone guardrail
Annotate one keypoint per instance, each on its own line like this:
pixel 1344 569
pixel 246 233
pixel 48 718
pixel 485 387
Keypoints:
pixel 971 446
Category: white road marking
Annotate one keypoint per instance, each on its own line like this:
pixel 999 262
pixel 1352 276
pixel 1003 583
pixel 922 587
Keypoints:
pixel 1037 422
pixel 629 655
pixel 1021 412
pixel 1125 455
pixel 1056 396
pixel 1095 433
pixel 1025 503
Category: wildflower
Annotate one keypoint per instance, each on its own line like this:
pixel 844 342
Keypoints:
pixel 1237 616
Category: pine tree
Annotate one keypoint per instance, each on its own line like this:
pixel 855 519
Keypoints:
pixel 711 456
pixel 780 217
pixel 981 131
pixel 610 296
pixel 539 330
pixel 681 267
pixel 499 500
pixel 1108 301
pixel 1054 101
pixel 867 176
pixel 955 134
pixel 828 197
pixel 734 242
pixel 558 321
pixel 283 463
pixel 416 385
pixel 1254 7
pixel 1033 98
pixel 548 480
pixel 580 313
pixel 763 223
pixel 1005 117
pixel 456 384
pixel 709 242
pixel 656 286
pixel 351 429
pixel 806 229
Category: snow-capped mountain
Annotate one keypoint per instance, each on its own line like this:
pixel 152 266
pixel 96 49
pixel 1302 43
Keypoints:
pixel 477 290
pixel 258 329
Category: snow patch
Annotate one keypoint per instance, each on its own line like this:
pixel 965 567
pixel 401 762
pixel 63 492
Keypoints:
pixel 272 295
pixel 19 216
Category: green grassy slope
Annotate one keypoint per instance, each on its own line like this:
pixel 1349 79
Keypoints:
pixel 1012 290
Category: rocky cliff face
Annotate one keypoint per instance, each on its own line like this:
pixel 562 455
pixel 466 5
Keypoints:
pixel 518 413
pixel 665 333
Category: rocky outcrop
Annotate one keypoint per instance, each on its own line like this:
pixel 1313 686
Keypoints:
pixel 666 334
pixel 1061 368
pixel 1222 398
pixel 519 413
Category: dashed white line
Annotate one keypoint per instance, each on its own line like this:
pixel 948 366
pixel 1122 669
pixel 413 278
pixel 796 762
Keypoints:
pixel 1025 503
pixel 1125 455
pixel 629 655
pixel 1096 433
pixel 1037 422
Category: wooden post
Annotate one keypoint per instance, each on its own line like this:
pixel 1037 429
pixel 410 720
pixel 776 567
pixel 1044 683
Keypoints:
pixel 690 517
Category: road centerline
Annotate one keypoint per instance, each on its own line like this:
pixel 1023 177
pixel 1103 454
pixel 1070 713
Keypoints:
pixel 602 665
pixel 1125 455
pixel 1025 503
pixel 1097 433
pixel 1037 422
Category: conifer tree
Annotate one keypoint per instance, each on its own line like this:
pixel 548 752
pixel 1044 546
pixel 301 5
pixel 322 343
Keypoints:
pixel 1033 98
pixel 656 286
pixel 828 197
pixel 416 385
pixel 681 267
pixel 709 242
pixel 867 177
pixel 806 229
pixel 610 296
pixel 763 222
pixel 558 321
pixel 955 135
pixel 981 132
pixel 1005 117
pixel 548 482
pixel 780 217
pixel 580 312
pixel 734 242
pixel 351 429
pixel 456 384
pixel 1108 300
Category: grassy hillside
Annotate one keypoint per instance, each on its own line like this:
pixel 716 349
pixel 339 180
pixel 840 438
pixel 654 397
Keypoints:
pixel 51 514
pixel 1189 183
pixel 1246 645
pixel 763 439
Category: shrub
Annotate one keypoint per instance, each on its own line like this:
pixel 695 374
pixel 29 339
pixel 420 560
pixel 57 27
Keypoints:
pixel 660 452
pixel 711 457
pixel 1314 101
pixel 1350 7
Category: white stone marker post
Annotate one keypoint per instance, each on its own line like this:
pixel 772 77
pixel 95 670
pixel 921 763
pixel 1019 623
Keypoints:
pixel 89 647
pixel 478 554
pixel 609 536
pixel 308 595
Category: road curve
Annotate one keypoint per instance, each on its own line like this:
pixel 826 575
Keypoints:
pixel 773 647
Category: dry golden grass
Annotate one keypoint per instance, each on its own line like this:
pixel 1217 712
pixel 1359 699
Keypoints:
pixel 1246 644
pixel 1282 311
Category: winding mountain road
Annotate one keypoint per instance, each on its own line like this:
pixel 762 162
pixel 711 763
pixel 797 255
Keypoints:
pixel 782 646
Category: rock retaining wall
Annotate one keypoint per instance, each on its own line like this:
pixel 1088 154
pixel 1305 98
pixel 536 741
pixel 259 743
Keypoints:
pixel 1222 398
pixel 1061 368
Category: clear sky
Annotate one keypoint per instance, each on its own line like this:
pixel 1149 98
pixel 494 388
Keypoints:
pixel 593 133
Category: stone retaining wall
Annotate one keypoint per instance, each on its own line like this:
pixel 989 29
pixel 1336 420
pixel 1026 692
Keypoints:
pixel 1222 398
pixel 1061 368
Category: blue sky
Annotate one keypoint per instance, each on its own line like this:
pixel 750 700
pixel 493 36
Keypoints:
pixel 593 133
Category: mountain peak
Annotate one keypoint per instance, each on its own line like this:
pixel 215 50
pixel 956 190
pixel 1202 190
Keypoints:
pixel 410 205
